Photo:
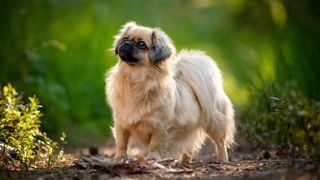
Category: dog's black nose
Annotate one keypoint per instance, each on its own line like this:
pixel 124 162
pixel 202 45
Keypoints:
pixel 126 44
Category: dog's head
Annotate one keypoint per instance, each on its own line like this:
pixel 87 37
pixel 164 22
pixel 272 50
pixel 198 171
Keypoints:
pixel 139 45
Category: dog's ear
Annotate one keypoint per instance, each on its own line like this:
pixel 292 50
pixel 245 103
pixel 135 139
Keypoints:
pixel 119 37
pixel 161 47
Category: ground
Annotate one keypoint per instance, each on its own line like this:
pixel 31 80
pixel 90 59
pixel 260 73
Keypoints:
pixel 97 163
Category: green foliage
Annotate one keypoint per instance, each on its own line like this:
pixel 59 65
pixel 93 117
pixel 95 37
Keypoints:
pixel 282 118
pixel 59 50
pixel 20 136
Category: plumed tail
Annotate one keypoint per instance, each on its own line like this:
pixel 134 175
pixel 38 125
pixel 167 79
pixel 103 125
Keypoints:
pixel 201 73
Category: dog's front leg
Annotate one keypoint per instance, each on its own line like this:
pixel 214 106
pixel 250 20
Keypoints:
pixel 121 137
pixel 155 146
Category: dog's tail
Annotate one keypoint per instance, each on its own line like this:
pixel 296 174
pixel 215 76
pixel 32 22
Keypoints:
pixel 201 73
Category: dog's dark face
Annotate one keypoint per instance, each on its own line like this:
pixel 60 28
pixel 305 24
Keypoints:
pixel 138 45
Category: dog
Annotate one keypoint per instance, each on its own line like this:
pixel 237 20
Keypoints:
pixel 170 102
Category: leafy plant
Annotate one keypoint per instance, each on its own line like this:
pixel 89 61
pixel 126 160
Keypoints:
pixel 21 139
pixel 283 118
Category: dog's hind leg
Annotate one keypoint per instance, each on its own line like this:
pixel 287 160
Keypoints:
pixel 221 149
pixel 193 144
pixel 217 136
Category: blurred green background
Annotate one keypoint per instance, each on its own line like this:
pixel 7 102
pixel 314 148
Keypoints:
pixel 58 50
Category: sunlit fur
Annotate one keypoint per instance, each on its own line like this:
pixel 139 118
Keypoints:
pixel 171 106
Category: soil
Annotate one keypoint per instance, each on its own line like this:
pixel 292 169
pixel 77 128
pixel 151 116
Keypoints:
pixel 98 163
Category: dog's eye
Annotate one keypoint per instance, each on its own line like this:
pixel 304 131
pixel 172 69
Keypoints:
pixel 141 45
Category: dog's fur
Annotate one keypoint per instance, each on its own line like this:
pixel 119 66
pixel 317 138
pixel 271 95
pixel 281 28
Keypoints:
pixel 169 102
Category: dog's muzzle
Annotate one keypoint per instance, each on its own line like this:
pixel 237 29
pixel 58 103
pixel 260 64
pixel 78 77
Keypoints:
pixel 125 52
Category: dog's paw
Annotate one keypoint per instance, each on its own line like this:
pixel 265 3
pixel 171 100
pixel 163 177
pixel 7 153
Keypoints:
pixel 154 156
pixel 223 160
pixel 186 157
pixel 121 157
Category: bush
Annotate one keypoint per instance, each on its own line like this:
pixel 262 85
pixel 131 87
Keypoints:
pixel 281 117
pixel 21 140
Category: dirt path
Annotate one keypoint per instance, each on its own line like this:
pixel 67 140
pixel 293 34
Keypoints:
pixel 92 164
pixel 95 167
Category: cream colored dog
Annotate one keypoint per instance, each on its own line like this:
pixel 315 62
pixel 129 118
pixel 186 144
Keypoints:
pixel 169 102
